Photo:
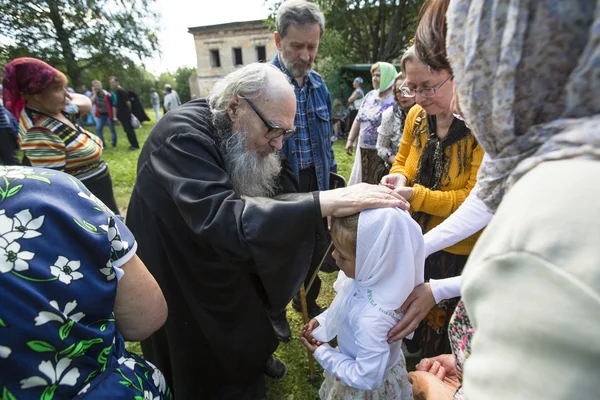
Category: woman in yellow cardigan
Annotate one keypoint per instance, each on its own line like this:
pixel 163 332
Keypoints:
pixel 435 169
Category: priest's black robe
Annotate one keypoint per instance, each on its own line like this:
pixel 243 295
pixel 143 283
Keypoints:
pixel 220 259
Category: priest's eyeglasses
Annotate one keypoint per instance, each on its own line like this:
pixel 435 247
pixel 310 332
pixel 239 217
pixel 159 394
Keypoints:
pixel 425 92
pixel 274 130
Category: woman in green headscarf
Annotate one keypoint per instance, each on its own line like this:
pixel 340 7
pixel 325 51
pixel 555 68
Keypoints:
pixel 368 166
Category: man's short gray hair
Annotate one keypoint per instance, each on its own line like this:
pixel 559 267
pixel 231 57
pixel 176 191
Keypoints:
pixel 299 13
pixel 247 81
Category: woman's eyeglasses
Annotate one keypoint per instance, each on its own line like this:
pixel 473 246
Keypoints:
pixel 425 92
pixel 274 130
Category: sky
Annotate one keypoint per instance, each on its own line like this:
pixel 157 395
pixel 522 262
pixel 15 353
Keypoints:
pixel 177 45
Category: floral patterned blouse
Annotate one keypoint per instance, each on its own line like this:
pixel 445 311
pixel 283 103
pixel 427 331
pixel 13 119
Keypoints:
pixel 60 248
pixel 460 333
pixel 369 116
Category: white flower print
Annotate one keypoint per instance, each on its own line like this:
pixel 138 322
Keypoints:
pixel 21 226
pixel 109 272
pixel 47 316
pixel 12 258
pixel 115 239
pixel 148 396
pixel 114 236
pixel 7 234
pixel 96 201
pixel 24 222
pixel 159 380
pixel 14 172
pixel 66 270
pixel 129 362
pixel 5 351
pixel 54 376
pixel 85 389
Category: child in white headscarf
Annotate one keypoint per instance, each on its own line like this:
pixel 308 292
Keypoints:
pixel 381 256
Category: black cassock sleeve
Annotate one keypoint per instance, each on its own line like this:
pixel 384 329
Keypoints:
pixel 276 235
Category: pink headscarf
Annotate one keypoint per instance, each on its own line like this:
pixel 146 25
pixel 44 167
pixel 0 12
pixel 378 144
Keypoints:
pixel 24 75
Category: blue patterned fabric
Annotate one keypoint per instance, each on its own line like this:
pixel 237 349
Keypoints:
pixel 59 249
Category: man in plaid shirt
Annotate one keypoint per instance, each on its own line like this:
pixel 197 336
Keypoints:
pixel 299 27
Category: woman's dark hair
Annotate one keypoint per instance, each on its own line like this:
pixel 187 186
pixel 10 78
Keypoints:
pixel 430 37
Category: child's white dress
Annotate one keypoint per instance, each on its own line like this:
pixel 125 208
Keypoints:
pixel 390 258
pixel 364 357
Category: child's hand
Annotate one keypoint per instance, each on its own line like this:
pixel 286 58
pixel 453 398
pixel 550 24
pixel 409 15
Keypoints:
pixel 307 332
pixel 309 345
pixel 311 326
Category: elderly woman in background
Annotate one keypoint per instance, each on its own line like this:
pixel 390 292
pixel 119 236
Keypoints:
pixel 538 121
pixel 435 169
pixel 35 93
pixel 355 101
pixel 72 291
pixel 392 123
pixel 368 166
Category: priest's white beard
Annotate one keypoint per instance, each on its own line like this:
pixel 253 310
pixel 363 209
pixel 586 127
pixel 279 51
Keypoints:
pixel 252 175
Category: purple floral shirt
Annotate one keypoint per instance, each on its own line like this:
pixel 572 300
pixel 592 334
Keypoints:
pixel 369 116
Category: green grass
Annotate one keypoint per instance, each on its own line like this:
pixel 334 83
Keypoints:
pixel 296 384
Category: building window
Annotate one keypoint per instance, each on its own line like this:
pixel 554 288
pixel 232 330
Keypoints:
pixel 237 56
pixel 261 54
pixel 215 59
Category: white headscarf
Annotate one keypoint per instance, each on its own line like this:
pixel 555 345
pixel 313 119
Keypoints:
pixel 528 76
pixel 390 258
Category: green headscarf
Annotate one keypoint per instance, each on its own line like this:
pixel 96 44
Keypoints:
pixel 388 74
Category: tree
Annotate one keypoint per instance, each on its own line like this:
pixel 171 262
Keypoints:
pixel 76 35
pixel 182 83
pixel 373 30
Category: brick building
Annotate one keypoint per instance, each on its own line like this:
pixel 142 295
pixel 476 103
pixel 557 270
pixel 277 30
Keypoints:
pixel 222 48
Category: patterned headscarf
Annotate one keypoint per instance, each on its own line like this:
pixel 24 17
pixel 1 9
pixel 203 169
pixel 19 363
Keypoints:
pixel 388 75
pixel 24 75
pixel 528 76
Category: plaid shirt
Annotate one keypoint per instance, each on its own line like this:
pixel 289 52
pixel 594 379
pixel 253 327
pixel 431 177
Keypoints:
pixel 302 136
pixel 311 146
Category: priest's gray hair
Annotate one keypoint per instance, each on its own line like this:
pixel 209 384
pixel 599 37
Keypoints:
pixel 298 13
pixel 247 81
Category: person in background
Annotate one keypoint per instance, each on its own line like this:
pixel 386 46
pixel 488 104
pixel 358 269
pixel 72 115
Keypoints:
pixel 436 168
pixel 368 166
pixel 300 24
pixel 73 291
pixel 392 123
pixel 137 108
pixel 171 99
pixel 36 92
pixel 123 106
pixel 355 101
pixel 155 101
pixel 90 116
pixel 106 112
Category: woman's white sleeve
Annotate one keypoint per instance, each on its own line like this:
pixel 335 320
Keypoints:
pixel 444 289
pixel 472 216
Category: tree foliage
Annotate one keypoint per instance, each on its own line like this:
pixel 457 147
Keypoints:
pixel 182 84
pixel 373 30
pixel 79 35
